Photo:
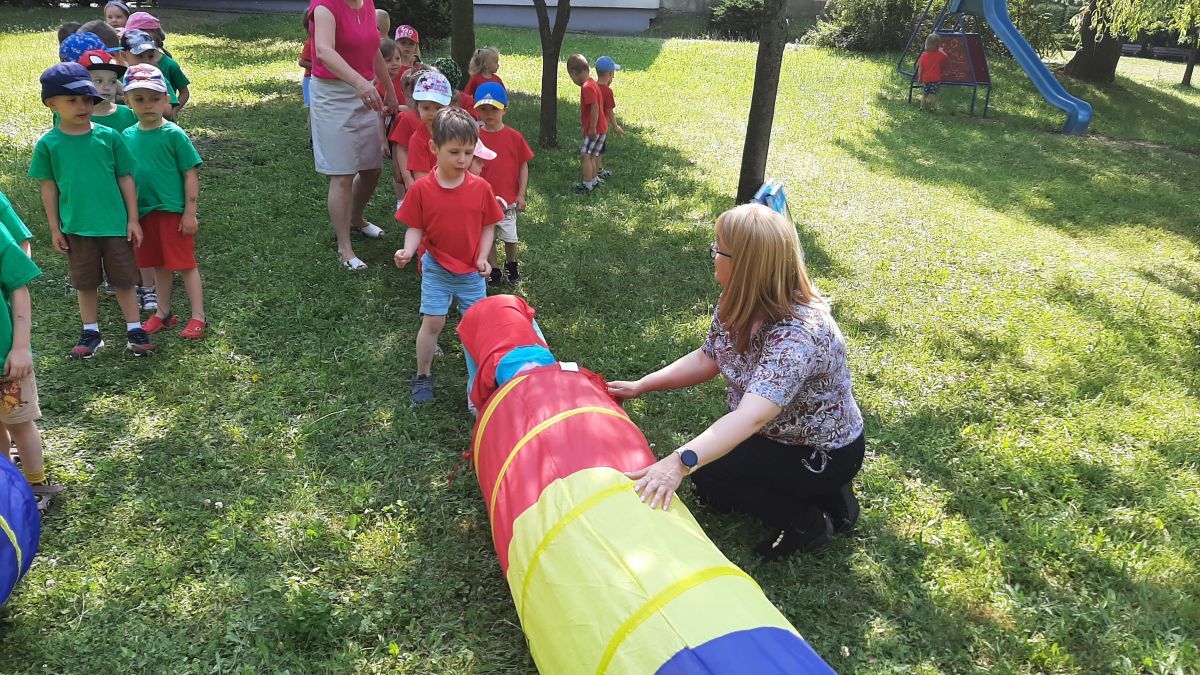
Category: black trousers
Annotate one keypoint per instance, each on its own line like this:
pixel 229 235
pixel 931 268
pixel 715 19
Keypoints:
pixel 784 485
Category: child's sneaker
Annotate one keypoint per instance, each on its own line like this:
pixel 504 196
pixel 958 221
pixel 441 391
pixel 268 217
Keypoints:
pixel 147 298
pixel 194 330
pixel 494 279
pixel 156 323
pixel 510 268
pixel 109 289
pixel 604 174
pixel 422 389
pixel 139 343
pixel 583 189
pixel 88 343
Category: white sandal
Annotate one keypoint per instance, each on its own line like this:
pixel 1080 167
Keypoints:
pixel 354 264
pixel 371 231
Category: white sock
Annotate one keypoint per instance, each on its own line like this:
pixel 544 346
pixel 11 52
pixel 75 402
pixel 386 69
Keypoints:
pixel 92 326
pixel 133 325
pixel 592 183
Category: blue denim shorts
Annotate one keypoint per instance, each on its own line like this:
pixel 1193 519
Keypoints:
pixel 439 287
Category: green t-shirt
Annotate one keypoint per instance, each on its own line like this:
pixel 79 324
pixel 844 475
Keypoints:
pixel 86 168
pixel 12 222
pixel 121 119
pixel 16 270
pixel 174 76
pixel 163 156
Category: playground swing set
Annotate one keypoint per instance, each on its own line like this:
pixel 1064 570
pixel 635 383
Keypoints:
pixel 967 62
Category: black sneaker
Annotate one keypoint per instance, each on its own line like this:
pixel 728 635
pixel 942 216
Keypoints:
pixel 88 343
pixel 510 268
pixel 494 279
pixel 792 539
pixel 605 174
pixel 139 342
pixel 583 189
pixel 422 389
pixel 147 298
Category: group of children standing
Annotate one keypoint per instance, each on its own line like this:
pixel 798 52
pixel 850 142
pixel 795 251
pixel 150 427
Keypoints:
pixel 120 187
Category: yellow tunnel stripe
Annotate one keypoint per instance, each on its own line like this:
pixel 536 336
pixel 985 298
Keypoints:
pixel 658 602
pixel 12 537
pixel 532 434
pixel 557 528
pixel 491 408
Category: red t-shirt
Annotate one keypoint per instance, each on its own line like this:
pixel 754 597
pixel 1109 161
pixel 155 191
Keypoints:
pixel 404 126
pixel 306 54
pixel 467 102
pixel 420 158
pixel 931 64
pixel 395 85
pixel 478 79
pixel 504 172
pixel 355 38
pixel 452 218
pixel 491 329
pixel 608 100
pixel 590 95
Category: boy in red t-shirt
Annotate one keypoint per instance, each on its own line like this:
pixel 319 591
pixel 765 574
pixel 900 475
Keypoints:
pixel 431 92
pixel 451 214
pixel 508 173
pixel 606 68
pixel 929 70
pixel 403 127
pixel 591 114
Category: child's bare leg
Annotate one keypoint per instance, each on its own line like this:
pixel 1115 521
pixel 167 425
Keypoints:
pixel 29 447
pixel 431 328
pixel 589 169
pixel 492 257
pixel 149 277
pixel 89 305
pixel 164 279
pixel 195 292
pixel 397 176
pixel 933 101
pixel 128 300
pixel 5 439
pixel 510 252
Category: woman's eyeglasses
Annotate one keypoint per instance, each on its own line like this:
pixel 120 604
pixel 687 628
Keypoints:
pixel 714 252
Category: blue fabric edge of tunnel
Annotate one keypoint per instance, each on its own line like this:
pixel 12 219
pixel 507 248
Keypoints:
pixel 19 510
pixel 762 651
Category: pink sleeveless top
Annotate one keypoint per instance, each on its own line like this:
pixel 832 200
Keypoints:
pixel 356 38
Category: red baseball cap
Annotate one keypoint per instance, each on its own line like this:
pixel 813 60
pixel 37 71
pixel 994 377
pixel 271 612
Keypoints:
pixel 407 32
pixel 99 59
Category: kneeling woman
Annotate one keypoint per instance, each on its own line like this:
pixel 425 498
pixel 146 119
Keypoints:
pixel 793 438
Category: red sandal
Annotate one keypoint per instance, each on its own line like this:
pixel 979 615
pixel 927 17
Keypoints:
pixel 194 330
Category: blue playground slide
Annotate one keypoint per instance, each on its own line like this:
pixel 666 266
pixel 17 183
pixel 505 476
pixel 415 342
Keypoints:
pixel 1079 112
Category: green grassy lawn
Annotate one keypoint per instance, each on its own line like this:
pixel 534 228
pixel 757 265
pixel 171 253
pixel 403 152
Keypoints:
pixel 1022 310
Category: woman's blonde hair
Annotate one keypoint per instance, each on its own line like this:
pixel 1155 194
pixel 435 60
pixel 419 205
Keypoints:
pixel 767 273
pixel 480 58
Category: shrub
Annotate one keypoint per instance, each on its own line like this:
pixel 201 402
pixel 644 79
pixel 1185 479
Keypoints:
pixel 737 19
pixel 866 25
pixel 431 18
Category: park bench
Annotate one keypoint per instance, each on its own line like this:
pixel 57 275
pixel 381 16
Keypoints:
pixel 1171 53
pixel 1132 49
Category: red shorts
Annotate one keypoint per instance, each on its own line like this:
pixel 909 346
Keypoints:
pixel 162 243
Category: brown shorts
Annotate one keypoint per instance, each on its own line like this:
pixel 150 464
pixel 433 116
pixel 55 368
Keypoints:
pixel 19 401
pixel 94 259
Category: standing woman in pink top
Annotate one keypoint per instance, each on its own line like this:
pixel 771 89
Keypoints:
pixel 345 113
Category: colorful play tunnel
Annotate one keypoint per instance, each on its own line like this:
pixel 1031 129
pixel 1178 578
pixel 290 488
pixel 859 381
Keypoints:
pixel 602 583
pixel 20 527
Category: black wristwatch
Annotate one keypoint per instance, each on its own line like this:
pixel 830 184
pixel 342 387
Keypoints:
pixel 688 458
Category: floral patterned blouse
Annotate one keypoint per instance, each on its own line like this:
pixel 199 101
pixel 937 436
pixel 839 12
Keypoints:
pixel 799 364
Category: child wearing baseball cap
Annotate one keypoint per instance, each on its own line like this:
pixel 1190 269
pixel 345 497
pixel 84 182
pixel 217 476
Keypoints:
pixel 402 130
pixel 168 183
pixel 409 43
pixel 606 68
pixel 508 173
pixel 88 192
pixel 431 92
pixel 144 42
pixel 591 115
pixel 106 74
pixel 450 215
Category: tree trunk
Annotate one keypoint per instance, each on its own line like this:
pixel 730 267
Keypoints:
pixel 462 34
pixel 1191 62
pixel 552 39
pixel 1096 60
pixel 772 39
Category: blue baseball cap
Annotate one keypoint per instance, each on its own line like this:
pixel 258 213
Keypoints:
pixel 68 79
pixel 493 94
pixel 76 44
pixel 605 64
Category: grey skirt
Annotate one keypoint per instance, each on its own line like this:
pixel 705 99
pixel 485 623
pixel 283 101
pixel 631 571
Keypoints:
pixel 347 135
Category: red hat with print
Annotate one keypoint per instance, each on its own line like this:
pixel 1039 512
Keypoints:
pixel 98 59
pixel 407 32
